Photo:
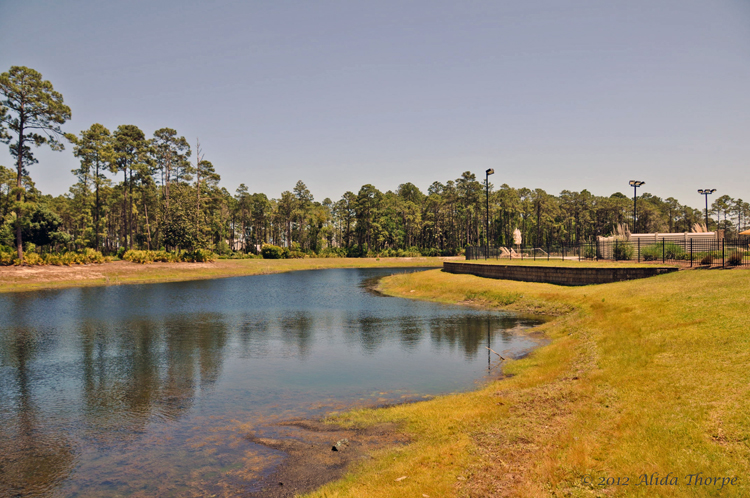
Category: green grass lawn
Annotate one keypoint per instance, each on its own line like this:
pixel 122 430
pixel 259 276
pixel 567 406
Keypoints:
pixel 646 379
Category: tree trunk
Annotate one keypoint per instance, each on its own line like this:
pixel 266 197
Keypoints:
pixel 96 208
pixel 19 176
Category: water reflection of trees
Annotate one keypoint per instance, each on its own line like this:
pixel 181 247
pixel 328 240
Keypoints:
pixel 465 332
pixel 298 329
pixel 147 371
pixel 34 457
pixel 130 375
pixel 469 333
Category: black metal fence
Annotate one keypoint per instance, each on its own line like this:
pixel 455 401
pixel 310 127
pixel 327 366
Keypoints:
pixel 692 252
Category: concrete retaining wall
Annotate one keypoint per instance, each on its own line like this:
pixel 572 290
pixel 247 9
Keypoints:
pixel 555 274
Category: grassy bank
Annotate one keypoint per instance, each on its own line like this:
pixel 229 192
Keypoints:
pixel 16 279
pixel 641 377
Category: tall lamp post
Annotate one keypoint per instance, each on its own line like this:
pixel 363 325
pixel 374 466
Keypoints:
pixel 487 221
pixel 635 184
pixel 706 192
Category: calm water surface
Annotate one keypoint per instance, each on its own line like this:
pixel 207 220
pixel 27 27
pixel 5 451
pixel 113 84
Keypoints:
pixel 149 390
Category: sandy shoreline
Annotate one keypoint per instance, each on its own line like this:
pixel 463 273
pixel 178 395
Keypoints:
pixel 29 278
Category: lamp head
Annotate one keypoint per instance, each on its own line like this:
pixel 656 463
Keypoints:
pixel 490 172
pixel 636 183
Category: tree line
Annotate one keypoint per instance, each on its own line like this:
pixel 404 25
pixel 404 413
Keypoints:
pixel 132 191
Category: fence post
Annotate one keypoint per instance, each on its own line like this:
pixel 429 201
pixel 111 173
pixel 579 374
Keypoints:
pixel 639 250
pixel 691 253
pixel 722 253
pixel 662 250
pixel 548 250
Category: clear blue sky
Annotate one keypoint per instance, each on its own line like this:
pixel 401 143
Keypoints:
pixel 551 94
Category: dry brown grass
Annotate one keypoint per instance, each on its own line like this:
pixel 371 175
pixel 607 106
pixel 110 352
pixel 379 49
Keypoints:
pixel 25 278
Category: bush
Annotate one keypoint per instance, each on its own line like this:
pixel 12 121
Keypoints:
pixel 296 255
pixel 670 251
pixel 240 255
pixel 146 257
pixel 622 251
pixel 7 255
pixel 735 259
pixel 332 252
pixel 589 252
pixel 651 252
pixel 430 252
pixel 86 256
pixel 269 251
pixel 199 256
pixel 707 260
pixel 223 248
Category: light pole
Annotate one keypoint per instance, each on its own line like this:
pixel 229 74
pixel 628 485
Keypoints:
pixel 635 184
pixel 706 192
pixel 487 221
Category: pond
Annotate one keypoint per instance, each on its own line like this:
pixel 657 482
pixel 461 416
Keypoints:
pixel 146 390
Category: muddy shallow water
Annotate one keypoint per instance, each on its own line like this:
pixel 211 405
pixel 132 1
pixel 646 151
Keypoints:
pixel 148 390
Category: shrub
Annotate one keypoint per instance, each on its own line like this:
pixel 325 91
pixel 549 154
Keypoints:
pixel 707 260
pixel 622 251
pixel 269 251
pixel 223 248
pixel 240 255
pixel 146 257
pixel 669 250
pixel 83 257
pixel 199 256
pixel 735 259
pixel 332 252
pixel 7 255
pixel 296 255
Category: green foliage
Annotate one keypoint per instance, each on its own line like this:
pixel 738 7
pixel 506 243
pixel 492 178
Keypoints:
pixel 147 257
pixel 622 251
pixel 333 252
pixel 241 255
pixel 36 113
pixel 83 257
pixel 412 252
pixel 41 227
pixel 7 256
pixel 669 251
pixel 223 249
pixel 269 251
pixel 179 232
pixel 199 256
